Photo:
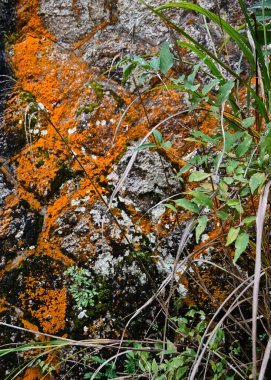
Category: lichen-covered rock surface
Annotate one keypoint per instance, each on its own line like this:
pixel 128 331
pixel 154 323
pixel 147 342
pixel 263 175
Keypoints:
pixel 63 151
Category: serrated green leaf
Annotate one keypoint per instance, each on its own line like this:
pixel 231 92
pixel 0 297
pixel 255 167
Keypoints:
pixel 198 176
pixel 256 181
pixel 168 205
pixel 232 235
pixel 240 245
pixel 201 199
pixel 166 58
pixel 188 205
pixel 201 226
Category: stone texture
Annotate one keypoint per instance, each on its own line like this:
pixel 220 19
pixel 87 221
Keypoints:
pixel 54 211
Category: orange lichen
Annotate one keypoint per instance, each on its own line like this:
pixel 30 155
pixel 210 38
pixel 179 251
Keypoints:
pixel 51 306
pixel 34 374
pixel 3 304
pixel 56 78
pixel 28 325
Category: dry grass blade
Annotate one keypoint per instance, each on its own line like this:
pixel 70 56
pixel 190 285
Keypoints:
pixel 258 262
pixel 265 360
pixel 203 347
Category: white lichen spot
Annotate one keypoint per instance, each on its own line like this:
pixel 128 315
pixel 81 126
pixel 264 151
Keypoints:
pixel 204 237
pixel 158 211
pixel 80 209
pixel 71 130
pixel 75 202
pixel 82 314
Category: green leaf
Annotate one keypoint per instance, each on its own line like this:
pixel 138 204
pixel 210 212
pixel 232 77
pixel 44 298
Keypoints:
pixel 240 245
pixel 184 169
pixel 244 146
pixel 245 191
pixel 204 137
pixel 201 226
pixel 232 235
pixel 168 205
pixel 155 63
pixel 235 203
pixel 223 215
pixel 166 145
pixel 188 205
pixel 154 367
pixel 260 4
pixel 249 220
pixel 228 180
pixel 146 146
pixel 231 166
pixel 256 180
pixel 198 176
pixel 230 139
pixel 181 372
pixel 224 92
pixel 127 72
pixel 201 199
pixel 166 58
pixel 207 88
pixel 158 137
pixel 265 141
pixel 248 122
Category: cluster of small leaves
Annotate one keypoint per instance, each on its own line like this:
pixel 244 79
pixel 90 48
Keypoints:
pixel 81 286
pixel 234 164
pixel 108 371
pixel 171 364
pixel 153 66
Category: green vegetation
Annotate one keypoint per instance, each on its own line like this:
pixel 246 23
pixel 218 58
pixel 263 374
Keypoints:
pixel 230 174
pixel 81 286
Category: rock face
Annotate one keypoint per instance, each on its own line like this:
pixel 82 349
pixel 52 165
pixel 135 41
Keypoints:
pixel 7 25
pixel 66 144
